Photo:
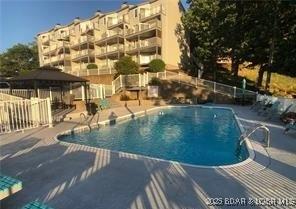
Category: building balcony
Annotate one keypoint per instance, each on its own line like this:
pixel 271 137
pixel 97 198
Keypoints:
pixel 113 49
pixel 60 57
pixel 143 28
pixel 144 45
pixel 148 14
pixel 108 35
pixel 83 53
pixel 102 69
pixel 87 30
pixel 50 50
pixel 116 22
pixel 82 40
pixel 63 36
pixel 45 40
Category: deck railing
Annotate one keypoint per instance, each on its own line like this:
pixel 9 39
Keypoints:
pixel 16 115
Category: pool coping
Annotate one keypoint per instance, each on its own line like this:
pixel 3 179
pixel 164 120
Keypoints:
pixel 141 113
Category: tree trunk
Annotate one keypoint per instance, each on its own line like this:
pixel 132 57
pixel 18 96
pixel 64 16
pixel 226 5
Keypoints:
pixel 271 53
pixel 234 67
pixel 260 77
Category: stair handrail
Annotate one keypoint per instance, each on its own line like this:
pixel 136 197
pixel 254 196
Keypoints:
pixel 244 137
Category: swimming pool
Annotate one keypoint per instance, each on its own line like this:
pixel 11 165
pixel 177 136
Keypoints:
pixel 193 135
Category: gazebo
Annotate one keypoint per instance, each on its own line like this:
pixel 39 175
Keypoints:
pixel 47 77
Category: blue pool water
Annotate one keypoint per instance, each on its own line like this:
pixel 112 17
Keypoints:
pixel 194 135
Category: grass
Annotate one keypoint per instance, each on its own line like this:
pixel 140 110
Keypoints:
pixel 280 85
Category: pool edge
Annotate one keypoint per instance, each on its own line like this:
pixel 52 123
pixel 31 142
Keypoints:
pixel 249 145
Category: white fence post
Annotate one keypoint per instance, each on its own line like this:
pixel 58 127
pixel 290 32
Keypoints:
pixel 196 81
pixel 101 89
pixel 50 94
pixel 214 87
pixel 113 88
pixel 50 124
pixel 83 93
pixel 104 87
pixel 120 78
pixel 165 74
pixel 234 92
pixel 140 80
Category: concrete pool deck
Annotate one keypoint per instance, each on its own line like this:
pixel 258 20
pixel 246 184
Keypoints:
pixel 70 176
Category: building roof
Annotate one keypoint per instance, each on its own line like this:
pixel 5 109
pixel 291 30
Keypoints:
pixel 48 74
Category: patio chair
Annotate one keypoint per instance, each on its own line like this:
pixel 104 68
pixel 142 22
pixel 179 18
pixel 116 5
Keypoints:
pixel 9 186
pixel 267 106
pixel 104 104
pixel 36 205
pixel 289 126
pixel 274 111
pixel 279 112
pixel 258 103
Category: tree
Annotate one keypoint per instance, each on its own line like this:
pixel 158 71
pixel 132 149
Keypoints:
pixel 271 38
pixel 125 66
pixel 18 59
pixel 156 65
pixel 200 23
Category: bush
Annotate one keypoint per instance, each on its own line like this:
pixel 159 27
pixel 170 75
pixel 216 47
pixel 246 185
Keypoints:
pixel 156 65
pixel 125 66
pixel 155 82
pixel 92 66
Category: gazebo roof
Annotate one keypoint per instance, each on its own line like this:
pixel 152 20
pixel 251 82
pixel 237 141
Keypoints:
pixel 48 74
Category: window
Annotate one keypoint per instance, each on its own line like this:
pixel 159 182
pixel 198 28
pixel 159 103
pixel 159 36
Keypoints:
pixel 136 13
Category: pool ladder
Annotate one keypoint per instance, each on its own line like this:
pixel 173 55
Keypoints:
pixel 244 136
pixel 83 120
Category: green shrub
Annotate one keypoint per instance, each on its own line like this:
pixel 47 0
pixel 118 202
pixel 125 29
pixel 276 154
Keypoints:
pixel 125 66
pixel 156 65
pixel 155 82
pixel 92 66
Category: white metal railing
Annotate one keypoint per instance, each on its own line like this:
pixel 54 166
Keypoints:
pixel 111 33
pixel 24 93
pixel 6 96
pixel 141 27
pixel 96 91
pixel 16 115
pixel 85 52
pixel 150 12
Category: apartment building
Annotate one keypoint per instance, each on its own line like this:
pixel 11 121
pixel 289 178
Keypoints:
pixel 145 31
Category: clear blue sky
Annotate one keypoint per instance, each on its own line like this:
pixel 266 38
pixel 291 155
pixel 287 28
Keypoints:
pixel 21 20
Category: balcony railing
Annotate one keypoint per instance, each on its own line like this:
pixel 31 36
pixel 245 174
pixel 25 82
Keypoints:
pixel 50 49
pixel 87 29
pixel 111 33
pixel 151 42
pixel 142 27
pixel 150 12
pixel 63 35
pixel 86 52
pixel 45 39
pixel 82 39
pixel 117 21
pixel 110 49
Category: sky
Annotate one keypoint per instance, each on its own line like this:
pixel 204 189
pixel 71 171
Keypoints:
pixel 21 20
